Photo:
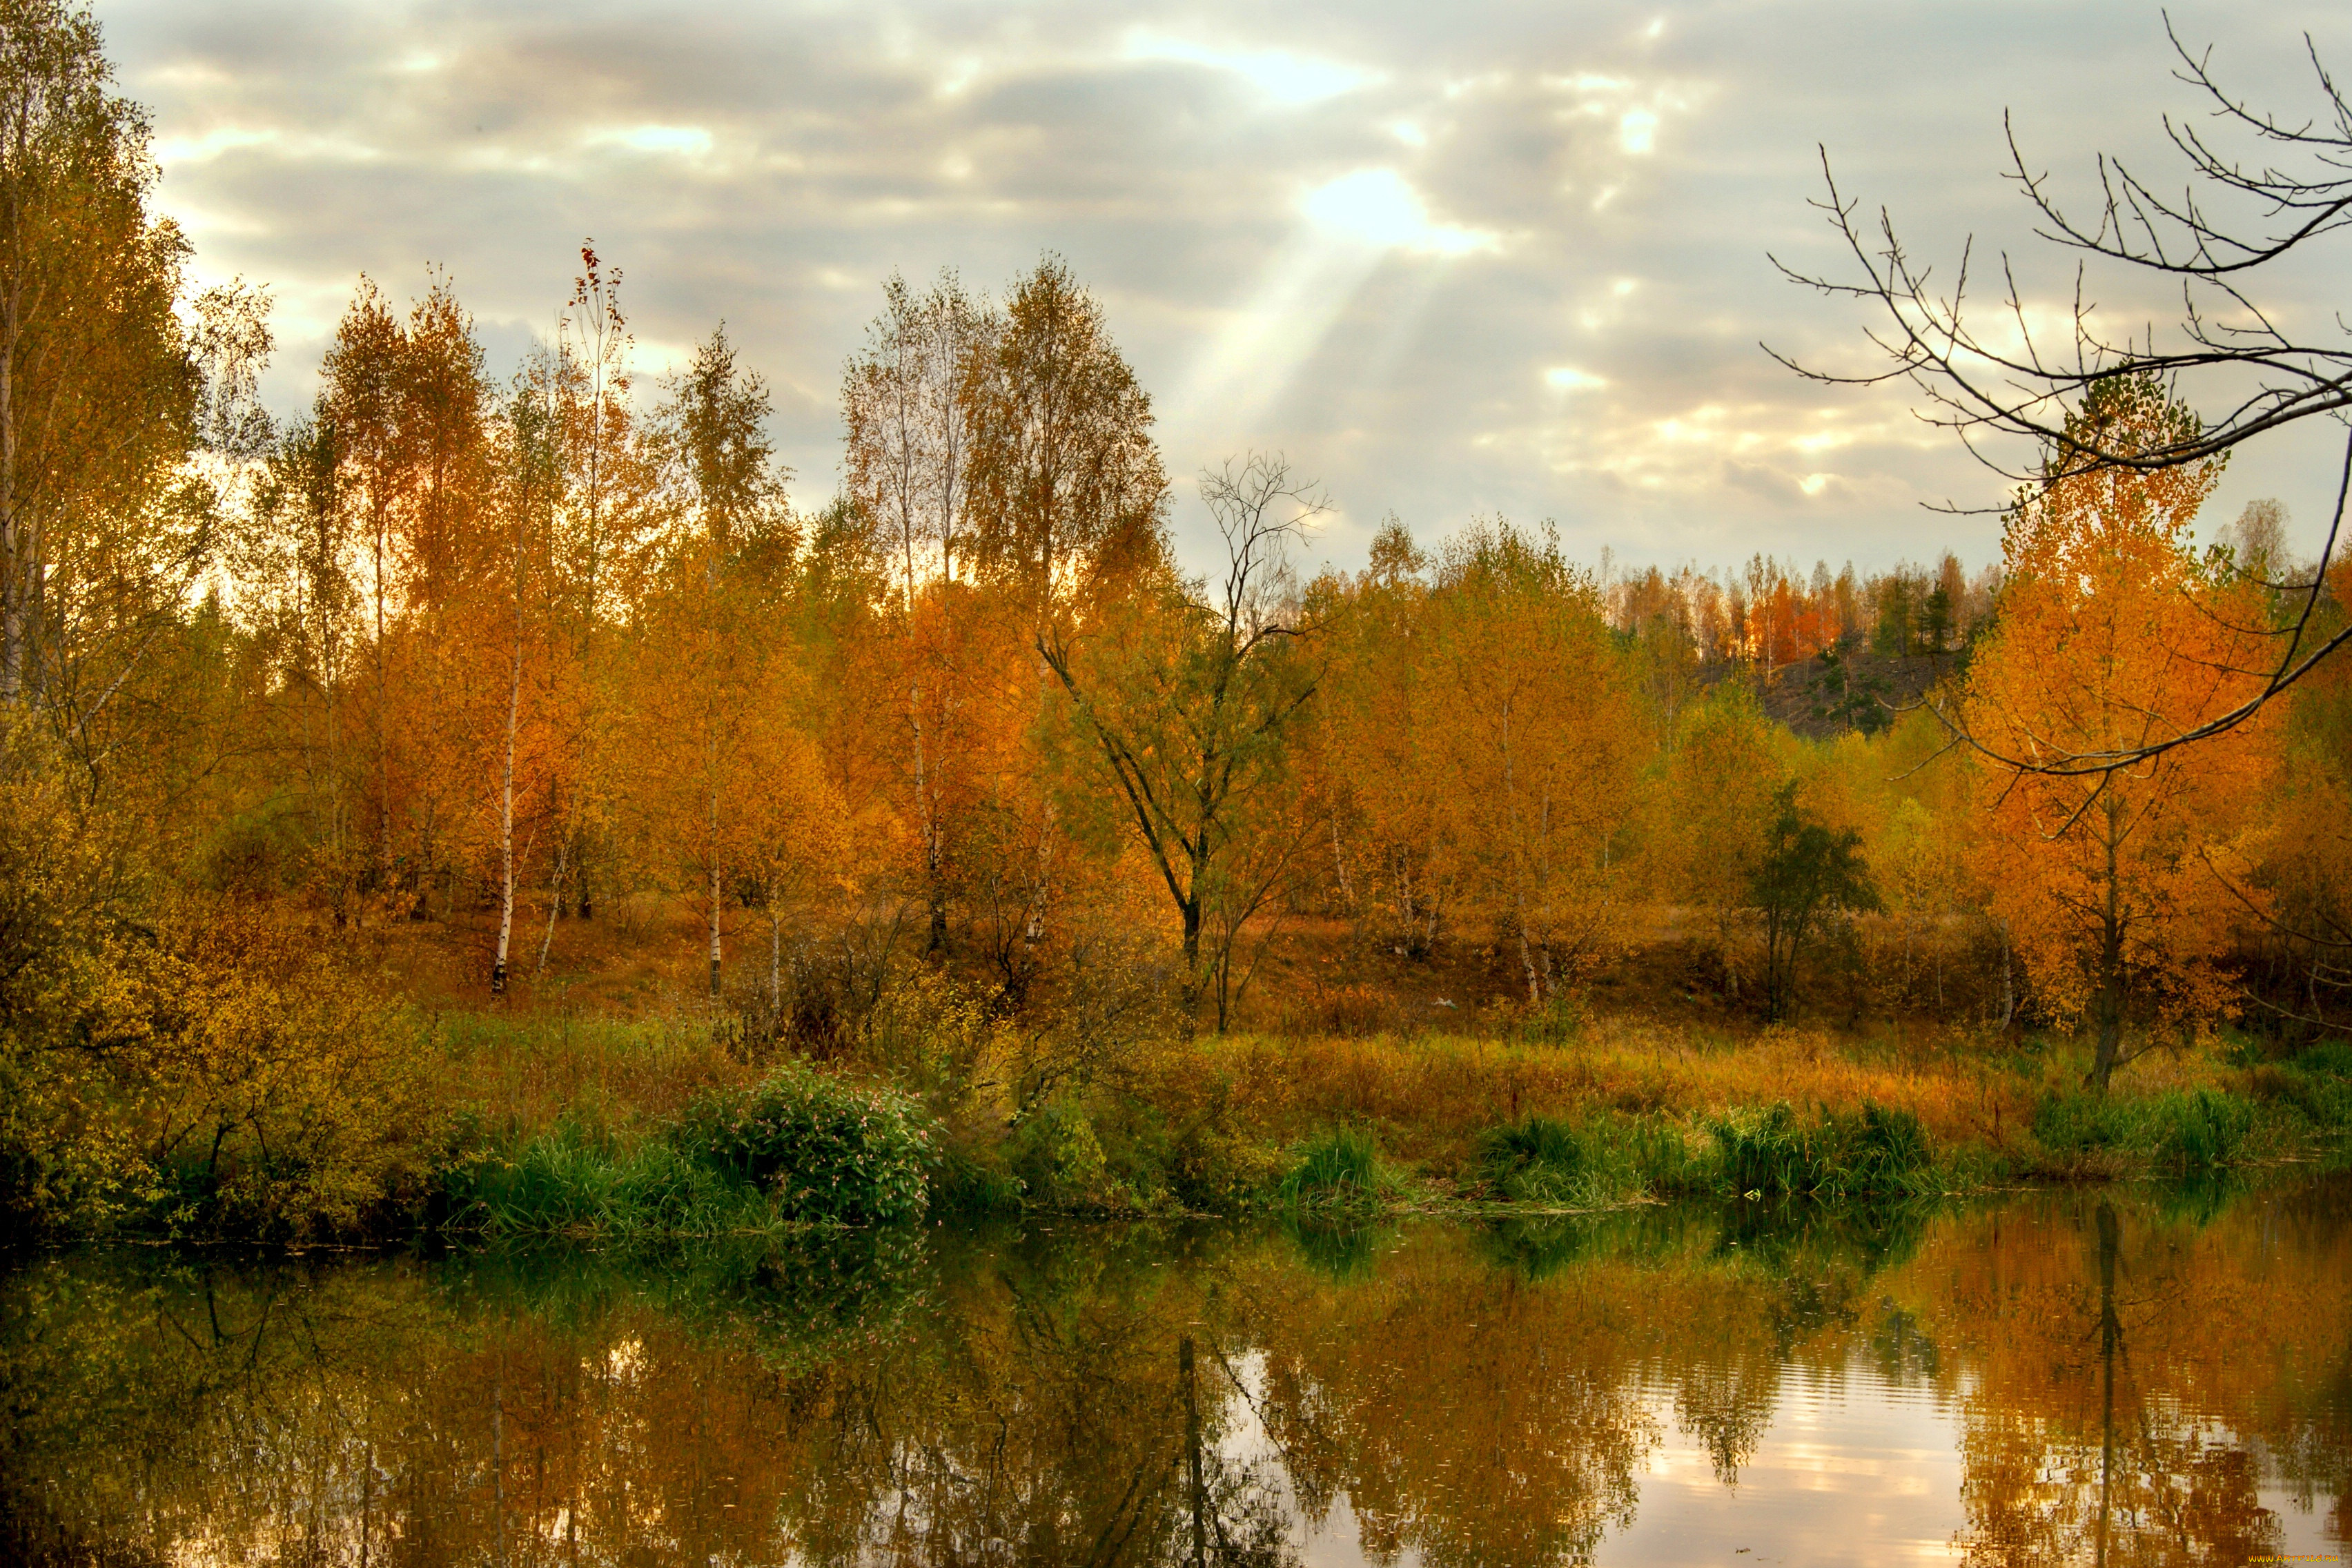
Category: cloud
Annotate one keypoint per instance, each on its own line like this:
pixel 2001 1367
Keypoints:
pixel 1454 260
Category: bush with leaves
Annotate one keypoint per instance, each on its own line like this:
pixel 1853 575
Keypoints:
pixel 1807 876
pixel 827 1150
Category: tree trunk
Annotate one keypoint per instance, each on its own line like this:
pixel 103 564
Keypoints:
pixel 1193 977
pixel 555 899
pixel 775 955
pixel 383 733
pixel 506 826
pixel 2110 1003
pixel 14 554
pixel 1526 957
pixel 714 900
pixel 926 815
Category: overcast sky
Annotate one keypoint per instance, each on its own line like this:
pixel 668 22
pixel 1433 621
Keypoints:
pixel 1453 260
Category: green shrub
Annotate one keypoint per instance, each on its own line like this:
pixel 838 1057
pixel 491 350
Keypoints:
pixel 2077 1122
pixel 2201 1131
pixel 1763 1152
pixel 1059 1159
pixel 2329 1058
pixel 1536 1159
pixel 1884 1150
pixel 1879 1152
pixel 570 1182
pixel 2194 1130
pixel 974 1183
pixel 825 1149
pixel 1342 1166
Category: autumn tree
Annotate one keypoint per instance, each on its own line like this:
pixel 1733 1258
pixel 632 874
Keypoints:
pixel 2113 636
pixel 1191 692
pixel 2304 865
pixel 362 401
pixel 102 533
pixel 1534 744
pixel 2259 192
pixel 449 568
pixel 520 597
pixel 612 477
pixel 709 665
pixel 1065 478
pixel 909 403
pixel 300 600
pixel 1382 705
pixel 1714 809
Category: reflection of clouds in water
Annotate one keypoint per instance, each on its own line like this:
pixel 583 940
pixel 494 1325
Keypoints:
pixel 1847 1470
pixel 1641 1387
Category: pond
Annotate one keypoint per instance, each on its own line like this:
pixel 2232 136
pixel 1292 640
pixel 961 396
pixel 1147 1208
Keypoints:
pixel 2127 1376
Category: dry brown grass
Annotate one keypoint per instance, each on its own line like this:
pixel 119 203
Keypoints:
pixel 1430 1096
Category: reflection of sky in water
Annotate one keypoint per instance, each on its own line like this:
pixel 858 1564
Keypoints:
pixel 1852 1470
pixel 1658 1387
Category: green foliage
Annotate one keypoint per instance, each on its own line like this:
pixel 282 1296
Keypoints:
pixel 2203 1130
pixel 2318 1083
pixel 1536 1159
pixel 1058 1159
pixel 1808 875
pixel 2196 1130
pixel 825 1149
pixel 572 1183
pixel 1341 1167
pixel 1214 1167
pixel 2331 1058
pixel 2074 1123
pixel 972 1183
pixel 1855 702
pixel 196 1064
pixel 1878 1152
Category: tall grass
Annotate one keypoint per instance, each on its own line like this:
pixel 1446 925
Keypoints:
pixel 2199 1130
pixel 1341 1167
pixel 1876 1152
pixel 567 1182
pixel 513 1077
pixel 798 1148
pixel 1430 1099
pixel 1536 1159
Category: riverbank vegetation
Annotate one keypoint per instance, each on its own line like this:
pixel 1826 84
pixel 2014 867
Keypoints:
pixel 488 801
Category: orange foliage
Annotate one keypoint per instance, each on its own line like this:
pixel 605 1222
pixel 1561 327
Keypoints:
pixel 2113 636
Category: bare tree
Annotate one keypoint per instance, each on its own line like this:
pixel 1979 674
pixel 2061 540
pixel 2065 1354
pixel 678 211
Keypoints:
pixel 2003 379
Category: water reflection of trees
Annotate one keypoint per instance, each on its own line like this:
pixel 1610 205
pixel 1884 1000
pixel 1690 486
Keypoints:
pixel 1167 1398
pixel 2128 1390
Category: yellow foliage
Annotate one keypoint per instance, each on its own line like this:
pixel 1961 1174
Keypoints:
pixel 2113 637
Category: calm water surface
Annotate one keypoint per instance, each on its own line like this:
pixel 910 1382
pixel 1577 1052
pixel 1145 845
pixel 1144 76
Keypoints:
pixel 2127 1377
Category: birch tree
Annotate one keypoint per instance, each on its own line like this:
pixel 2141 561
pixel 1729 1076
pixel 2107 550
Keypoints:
pixel 907 405
pixel 528 476
pixel 101 535
pixel 362 401
pixel 712 625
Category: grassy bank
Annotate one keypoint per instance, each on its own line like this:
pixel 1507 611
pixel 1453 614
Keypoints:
pixel 618 1130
